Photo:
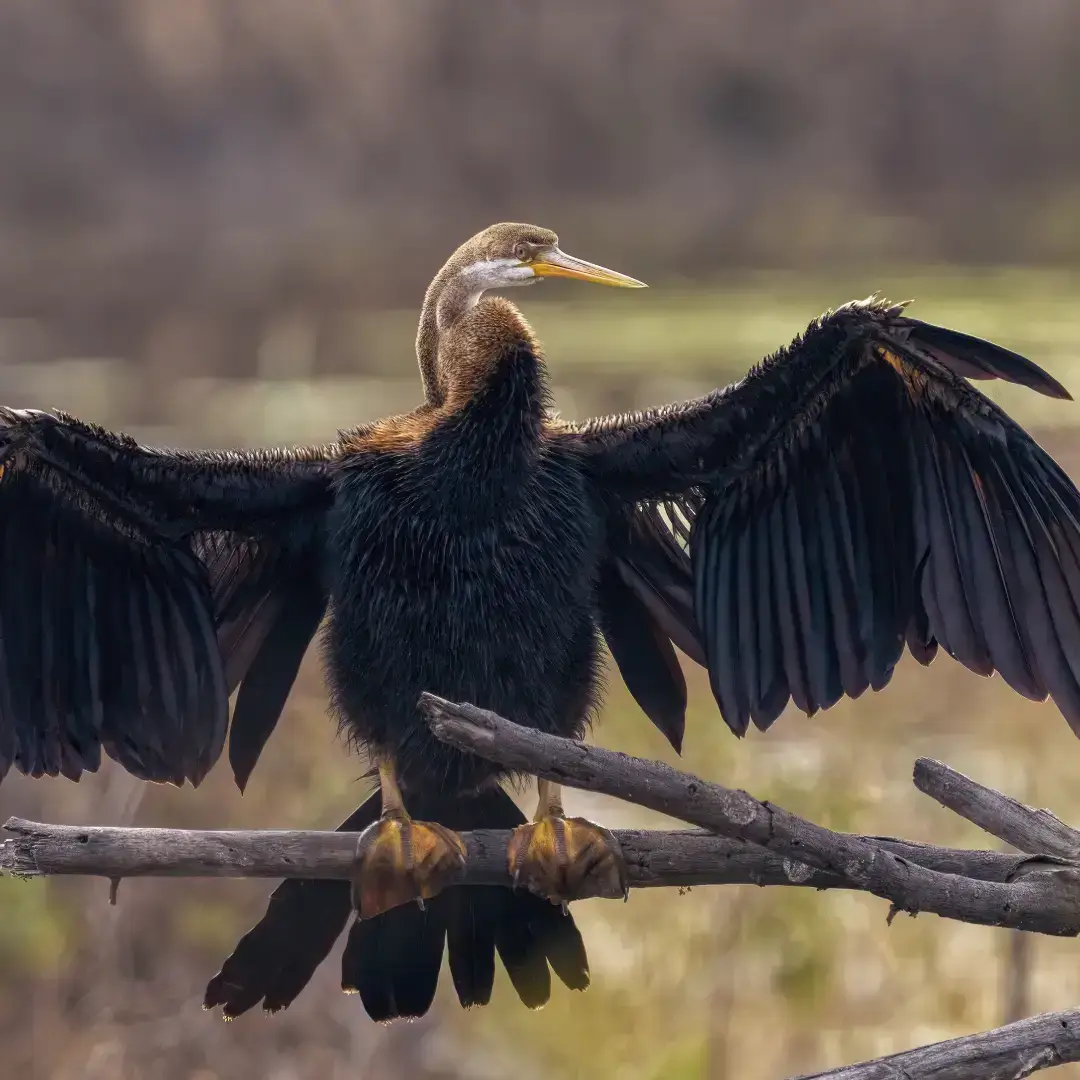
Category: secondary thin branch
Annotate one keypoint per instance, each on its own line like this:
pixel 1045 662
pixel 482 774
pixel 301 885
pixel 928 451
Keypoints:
pixel 1024 827
pixel 1048 904
pixel 1006 1053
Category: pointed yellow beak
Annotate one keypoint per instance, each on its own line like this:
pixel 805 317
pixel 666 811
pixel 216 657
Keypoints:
pixel 556 263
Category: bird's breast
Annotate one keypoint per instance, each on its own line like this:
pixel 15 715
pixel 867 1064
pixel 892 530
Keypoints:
pixel 437 585
pixel 414 544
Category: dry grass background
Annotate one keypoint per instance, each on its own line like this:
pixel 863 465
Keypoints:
pixel 216 221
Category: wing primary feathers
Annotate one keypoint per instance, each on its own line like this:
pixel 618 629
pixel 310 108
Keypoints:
pixel 989 592
pixel 85 727
pixel 786 609
pixel 210 723
pixel 1021 566
pixel 643 654
pixel 977 359
pixel 179 634
pixel 1051 611
pixel 1058 592
pixel 746 666
pixel 51 602
pixel 270 677
pixel 809 630
pixel 26 641
pixel 953 625
pixel 773 686
pixel 872 476
pixel 1064 525
pixel 717 614
pixel 164 701
pixel 825 637
pixel 74 730
pixel 957 490
pixel 839 581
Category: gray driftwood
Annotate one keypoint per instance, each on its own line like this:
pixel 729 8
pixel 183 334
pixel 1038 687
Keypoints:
pixel 654 858
pixel 1048 903
pixel 1006 1053
pixel 1021 826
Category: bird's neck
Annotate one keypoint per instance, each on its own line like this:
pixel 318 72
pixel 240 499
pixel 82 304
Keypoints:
pixel 450 297
pixel 492 375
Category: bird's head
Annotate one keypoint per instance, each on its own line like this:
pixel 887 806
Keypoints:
pixel 500 256
pixel 514 254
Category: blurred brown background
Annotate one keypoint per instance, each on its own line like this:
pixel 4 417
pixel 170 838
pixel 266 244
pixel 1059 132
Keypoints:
pixel 217 219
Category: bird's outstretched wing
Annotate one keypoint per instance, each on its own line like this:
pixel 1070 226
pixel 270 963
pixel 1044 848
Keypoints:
pixel 139 587
pixel 853 494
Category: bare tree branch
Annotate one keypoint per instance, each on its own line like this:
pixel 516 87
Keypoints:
pixel 1021 826
pixel 1006 1053
pixel 746 842
pixel 759 842
pixel 1048 904
pixel 654 858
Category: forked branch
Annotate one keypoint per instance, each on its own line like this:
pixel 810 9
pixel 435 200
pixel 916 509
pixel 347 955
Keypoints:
pixel 739 840
pixel 1048 903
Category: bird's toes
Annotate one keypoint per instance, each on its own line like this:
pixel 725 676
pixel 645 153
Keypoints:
pixel 567 859
pixel 399 860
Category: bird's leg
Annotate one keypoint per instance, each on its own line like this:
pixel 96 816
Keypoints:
pixel 565 858
pixel 398 859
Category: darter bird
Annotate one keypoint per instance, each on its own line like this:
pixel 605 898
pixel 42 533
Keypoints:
pixel 852 496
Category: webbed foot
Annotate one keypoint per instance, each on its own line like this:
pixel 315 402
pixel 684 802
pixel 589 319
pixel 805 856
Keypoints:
pixel 567 859
pixel 398 860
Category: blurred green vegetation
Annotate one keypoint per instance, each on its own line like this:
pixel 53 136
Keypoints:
pixel 694 985
pixel 607 350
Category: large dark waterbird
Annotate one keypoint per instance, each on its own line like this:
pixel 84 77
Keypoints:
pixel 853 496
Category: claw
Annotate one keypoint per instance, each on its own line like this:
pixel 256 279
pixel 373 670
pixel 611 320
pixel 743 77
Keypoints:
pixel 567 859
pixel 399 860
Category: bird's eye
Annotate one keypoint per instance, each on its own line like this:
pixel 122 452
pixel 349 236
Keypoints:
pixel 521 252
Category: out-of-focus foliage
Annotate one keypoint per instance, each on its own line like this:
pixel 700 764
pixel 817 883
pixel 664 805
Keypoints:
pixel 243 157
pixel 217 218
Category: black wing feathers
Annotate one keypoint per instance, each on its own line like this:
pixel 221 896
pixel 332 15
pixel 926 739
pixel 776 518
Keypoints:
pixel 643 654
pixel 271 674
pixel 855 494
pixel 110 605
pixel 974 358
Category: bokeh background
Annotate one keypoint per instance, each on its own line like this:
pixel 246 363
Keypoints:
pixel 217 219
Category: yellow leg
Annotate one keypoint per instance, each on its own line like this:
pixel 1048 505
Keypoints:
pixel 393 802
pixel 564 858
pixel 398 859
pixel 548 800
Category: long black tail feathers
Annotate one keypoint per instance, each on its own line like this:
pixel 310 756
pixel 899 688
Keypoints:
pixel 393 960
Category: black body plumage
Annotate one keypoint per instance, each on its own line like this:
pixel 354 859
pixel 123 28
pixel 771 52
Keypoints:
pixel 464 565
pixel 852 496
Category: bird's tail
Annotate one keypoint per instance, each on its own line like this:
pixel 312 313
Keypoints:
pixel 393 960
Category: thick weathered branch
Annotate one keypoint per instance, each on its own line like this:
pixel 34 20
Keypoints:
pixel 1047 903
pixel 1006 1053
pixel 758 843
pixel 745 842
pixel 654 858
pixel 1024 827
